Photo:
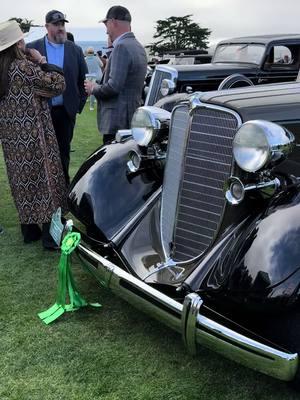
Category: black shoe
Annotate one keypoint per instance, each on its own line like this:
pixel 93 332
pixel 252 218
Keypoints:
pixel 53 247
pixel 31 232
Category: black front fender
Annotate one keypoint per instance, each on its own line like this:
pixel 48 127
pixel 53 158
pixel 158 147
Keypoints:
pixel 263 269
pixel 104 196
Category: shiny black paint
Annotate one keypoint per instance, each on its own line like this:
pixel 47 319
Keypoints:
pixel 245 268
pixel 104 196
pixel 261 270
pixel 206 77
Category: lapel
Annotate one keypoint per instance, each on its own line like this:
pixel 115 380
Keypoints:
pixel 66 47
pixel 107 67
pixel 43 47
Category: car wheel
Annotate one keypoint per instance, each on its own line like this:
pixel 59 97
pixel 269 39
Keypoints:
pixel 235 81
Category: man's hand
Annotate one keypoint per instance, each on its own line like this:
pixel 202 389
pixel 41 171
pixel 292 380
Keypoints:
pixel 89 86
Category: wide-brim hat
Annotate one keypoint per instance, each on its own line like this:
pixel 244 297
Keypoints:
pixel 10 34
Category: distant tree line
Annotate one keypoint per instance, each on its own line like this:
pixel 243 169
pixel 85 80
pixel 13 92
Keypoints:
pixel 178 33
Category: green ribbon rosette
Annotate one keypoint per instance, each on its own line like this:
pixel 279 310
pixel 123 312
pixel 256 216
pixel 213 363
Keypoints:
pixel 66 283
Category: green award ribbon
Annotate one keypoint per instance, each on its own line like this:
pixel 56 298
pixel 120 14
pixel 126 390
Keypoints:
pixel 66 282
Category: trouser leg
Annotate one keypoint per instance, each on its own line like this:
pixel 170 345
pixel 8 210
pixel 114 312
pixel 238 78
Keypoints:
pixel 30 232
pixel 64 127
pixel 108 138
pixel 48 241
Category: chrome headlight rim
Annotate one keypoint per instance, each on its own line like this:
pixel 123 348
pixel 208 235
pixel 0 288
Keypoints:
pixel 134 162
pixel 143 126
pixel 259 143
pixel 167 87
pixel 147 123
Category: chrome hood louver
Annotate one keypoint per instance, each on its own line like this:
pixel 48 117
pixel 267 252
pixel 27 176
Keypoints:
pixel 199 161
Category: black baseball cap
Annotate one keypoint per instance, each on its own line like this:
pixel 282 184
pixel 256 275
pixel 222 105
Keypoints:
pixel 117 12
pixel 54 16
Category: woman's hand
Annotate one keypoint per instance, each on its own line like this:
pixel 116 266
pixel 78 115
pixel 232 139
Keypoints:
pixel 35 56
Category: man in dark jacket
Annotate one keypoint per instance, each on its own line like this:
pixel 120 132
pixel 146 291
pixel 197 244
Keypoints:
pixel 67 55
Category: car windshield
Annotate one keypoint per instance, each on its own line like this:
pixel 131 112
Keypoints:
pixel 239 53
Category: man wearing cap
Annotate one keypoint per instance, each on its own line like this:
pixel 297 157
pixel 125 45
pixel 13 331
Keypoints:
pixel 67 55
pixel 120 92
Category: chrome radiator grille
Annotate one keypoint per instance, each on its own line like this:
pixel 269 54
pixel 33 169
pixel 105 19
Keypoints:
pixel 154 90
pixel 207 154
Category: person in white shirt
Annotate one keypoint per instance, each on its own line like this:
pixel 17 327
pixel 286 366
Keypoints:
pixel 95 66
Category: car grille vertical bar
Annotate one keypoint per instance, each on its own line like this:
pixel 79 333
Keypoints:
pixel 200 199
pixel 173 174
pixel 154 90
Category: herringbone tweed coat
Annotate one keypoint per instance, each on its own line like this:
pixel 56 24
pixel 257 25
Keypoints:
pixel 120 94
pixel 29 143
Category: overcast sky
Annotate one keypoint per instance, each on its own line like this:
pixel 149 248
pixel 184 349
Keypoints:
pixel 226 18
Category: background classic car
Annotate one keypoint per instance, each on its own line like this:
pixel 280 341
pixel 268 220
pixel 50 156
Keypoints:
pixel 214 252
pixel 236 62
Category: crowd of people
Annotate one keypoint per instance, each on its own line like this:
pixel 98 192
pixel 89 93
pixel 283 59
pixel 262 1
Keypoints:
pixel 43 86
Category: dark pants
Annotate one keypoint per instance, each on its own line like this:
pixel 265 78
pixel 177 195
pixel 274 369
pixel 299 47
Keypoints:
pixel 64 127
pixel 32 233
pixel 108 138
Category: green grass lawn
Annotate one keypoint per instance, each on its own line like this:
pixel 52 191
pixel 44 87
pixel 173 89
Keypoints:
pixel 114 352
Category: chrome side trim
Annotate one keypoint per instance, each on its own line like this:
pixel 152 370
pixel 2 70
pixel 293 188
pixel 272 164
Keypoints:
pixel 246 351
pixel 187 319
pixel 175 185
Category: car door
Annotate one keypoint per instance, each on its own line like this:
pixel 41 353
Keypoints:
pixel 281 64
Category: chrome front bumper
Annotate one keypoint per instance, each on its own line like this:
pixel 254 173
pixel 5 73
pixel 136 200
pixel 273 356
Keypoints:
pixel 186 318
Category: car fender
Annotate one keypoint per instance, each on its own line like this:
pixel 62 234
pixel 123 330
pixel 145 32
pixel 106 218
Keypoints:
pixel 263 269
pixel 104 195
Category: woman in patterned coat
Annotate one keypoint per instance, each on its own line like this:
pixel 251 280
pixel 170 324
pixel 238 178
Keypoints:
pixel 28 140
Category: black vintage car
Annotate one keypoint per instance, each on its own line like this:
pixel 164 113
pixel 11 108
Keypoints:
pixel 236 62
pixel 195 220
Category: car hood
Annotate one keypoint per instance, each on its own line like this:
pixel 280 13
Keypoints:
pixel 195 72
pixel 259 102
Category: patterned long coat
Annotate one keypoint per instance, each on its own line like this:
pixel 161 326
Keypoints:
pixel 29 143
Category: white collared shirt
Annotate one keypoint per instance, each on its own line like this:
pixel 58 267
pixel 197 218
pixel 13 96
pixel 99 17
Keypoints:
pixel 116 41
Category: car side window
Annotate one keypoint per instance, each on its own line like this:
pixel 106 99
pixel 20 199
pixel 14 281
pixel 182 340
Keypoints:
pixel 283 57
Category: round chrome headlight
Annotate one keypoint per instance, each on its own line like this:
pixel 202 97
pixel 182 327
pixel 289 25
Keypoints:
pixel 134 162
pixel 143 125
pixel 258 143
pixel 167 87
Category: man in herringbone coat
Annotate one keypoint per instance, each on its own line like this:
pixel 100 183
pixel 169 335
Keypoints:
pixel 120 91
